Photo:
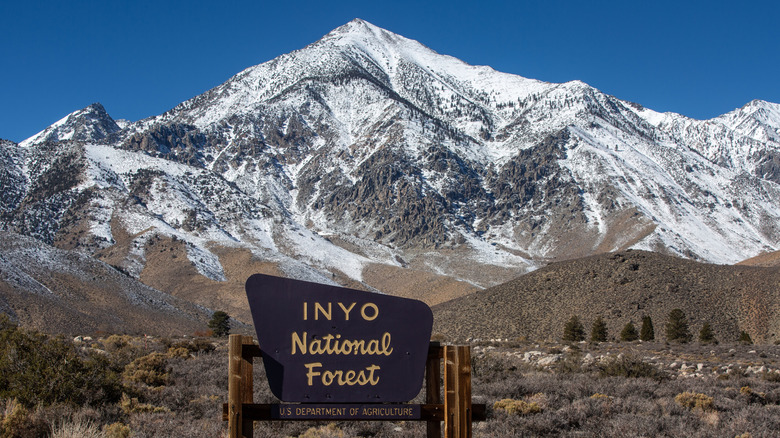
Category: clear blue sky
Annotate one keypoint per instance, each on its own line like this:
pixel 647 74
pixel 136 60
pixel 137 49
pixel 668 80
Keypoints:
pixel 141 58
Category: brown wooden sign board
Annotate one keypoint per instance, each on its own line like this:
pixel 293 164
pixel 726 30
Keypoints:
pixel 328 344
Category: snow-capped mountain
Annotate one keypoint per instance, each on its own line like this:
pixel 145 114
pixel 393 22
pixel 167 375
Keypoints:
pixel 367 151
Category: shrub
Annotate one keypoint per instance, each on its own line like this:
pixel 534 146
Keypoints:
pixel 571 363
pixel 628 366
pixel 677 327
pixel 194 346
pixel 36 369
pixel 629 334
pixel 151 370
pixel 180 352
pixel 773 377
pixel 328 431
pixel 517 407
pixel 744 338
pixel 692 400
pixel 647 333
pixel 116 430
pixel 76 428
pixel 598 332
pixel 131 405
pixel 573 331
pixel 16 421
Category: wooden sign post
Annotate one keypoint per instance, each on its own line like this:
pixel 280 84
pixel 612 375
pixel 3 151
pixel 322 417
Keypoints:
pixel 340 354
pixel 456 413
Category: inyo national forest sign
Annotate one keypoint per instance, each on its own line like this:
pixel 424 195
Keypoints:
pixel 328 344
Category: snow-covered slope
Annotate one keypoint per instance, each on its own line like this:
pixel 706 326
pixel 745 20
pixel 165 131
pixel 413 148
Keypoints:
pixel 366 147
pixel 90 123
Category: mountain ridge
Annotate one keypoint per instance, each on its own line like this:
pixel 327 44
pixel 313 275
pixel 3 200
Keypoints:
pixel 369 151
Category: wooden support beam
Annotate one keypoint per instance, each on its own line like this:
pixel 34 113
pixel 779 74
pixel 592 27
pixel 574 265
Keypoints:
pixel 457 388
pixel 433 386
pixel 235 398
pixel 241 350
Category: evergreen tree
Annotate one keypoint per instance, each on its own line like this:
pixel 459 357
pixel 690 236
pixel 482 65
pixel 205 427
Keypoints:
pixel 220 324
pixel 706 336
pixel 677 327
pixel 598 332
pixel 647 333
pixel 629 334
pixel 573 331
pixel 744 338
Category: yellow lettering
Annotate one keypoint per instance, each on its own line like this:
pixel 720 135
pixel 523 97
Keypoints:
pixel 305 311
pixel 375 312
pixel 319 309
pixel 346 310
pixel 333 344
pixel 296 341
pixel 363 377
pixel 373 381
pixel 311 374
pixel 315 346
pixel 373 347
pixel 386 344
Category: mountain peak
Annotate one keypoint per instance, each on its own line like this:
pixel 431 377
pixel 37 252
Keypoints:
pixel 357 26
pixel 372 39
pixel 757 119
pixel 87 124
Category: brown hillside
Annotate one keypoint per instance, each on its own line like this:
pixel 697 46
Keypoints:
pixel 620 287
pixel 63 291
pixel 767 260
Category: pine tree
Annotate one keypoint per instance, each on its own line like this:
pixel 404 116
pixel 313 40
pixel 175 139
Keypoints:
pixel 647 333
pixel 573 331
pixel 744 338
pixel 677 327
pixel 220 324
pixel 598 332
pixel 706 336
pixel 629 334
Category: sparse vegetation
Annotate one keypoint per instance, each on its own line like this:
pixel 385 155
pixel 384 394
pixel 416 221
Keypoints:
pixel 531 389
